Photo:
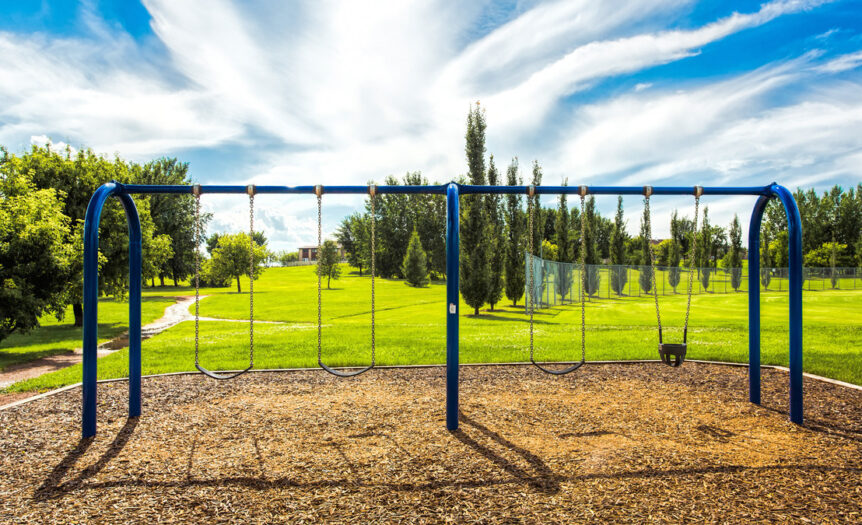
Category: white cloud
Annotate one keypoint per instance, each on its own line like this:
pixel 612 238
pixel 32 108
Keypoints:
pixel 347 93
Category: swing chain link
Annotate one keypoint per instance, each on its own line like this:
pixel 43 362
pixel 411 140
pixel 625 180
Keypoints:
pixel 530 205
pixel 251 192
pixel 197 191
pixel 318 190
pixel 372 190
pixel 583 281
pixel 692 262
pixel 648 241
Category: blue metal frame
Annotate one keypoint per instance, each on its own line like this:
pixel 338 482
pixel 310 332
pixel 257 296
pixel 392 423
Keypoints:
pixel 452 191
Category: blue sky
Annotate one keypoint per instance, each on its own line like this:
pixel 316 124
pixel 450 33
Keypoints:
pixel 611 92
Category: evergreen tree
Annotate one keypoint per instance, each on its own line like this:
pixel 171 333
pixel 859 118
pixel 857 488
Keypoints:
pixel 645 278
pixel 563 280
pixel 705 244
pixel 474 224
pixel 415 264
pixel 538 216
pixel 591 256
pixel 495 238
pixel 515 278
pixel 675 255
pixel 735 255
pixel 619 274
pixel 765 261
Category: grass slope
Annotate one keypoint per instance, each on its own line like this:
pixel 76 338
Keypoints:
pixel 58 337
pixel 411 329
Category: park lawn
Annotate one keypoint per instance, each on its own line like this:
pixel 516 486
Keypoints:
pixel 58 337
pixel 411 329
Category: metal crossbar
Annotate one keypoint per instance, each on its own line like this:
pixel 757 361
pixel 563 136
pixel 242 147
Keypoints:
pixel 452 192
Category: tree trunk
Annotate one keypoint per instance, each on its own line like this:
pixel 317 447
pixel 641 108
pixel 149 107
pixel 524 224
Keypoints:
pixel 328 278
pixel 162 280
pixel 238 289
pixel 476 311
pixel 153 282
pixel 492 307
pixel 360 270
pixel 78 311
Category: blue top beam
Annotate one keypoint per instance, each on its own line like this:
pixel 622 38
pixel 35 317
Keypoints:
pixel 441 189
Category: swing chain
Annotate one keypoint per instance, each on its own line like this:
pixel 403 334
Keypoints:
pixel 697 193
pixel 583 280
pixel 372 191
pixel 530 205
pixel 196 189
pixel 648 241
pixel 318 190
pixel 251 192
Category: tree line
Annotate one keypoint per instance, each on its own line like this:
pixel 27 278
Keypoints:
pixel 494 238
pixel 44 195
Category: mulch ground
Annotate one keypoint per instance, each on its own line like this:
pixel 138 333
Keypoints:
pixel 610 443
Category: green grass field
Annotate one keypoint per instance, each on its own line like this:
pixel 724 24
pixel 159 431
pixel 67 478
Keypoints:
pixel 411 329
pixel 58 337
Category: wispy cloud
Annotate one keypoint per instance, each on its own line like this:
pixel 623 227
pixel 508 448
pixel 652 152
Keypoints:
pixel 347 93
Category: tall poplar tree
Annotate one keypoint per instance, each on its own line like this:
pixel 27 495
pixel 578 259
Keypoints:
pixel 564 275
pixel 676 234
pixel 515 227
pixel 591 255
pixel 495 238
pixel 474 223
pixel 619 274
pixel 735 257
pixel 538 216
pixel 645 278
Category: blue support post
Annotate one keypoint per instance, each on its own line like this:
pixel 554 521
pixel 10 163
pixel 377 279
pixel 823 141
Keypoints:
pixel 452 304
pixel 794 229
pixel 135 279
pixel 754 300
pixel 91 305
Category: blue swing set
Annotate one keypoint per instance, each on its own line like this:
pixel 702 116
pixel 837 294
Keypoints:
pixel 452 191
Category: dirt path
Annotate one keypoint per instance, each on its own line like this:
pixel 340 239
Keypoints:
pixel 174 314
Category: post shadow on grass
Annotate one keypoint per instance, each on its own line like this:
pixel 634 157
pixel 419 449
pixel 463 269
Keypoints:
pixel 543 479
pixel 53 488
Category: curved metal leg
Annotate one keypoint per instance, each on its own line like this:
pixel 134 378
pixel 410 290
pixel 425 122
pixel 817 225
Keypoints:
pixel 216 375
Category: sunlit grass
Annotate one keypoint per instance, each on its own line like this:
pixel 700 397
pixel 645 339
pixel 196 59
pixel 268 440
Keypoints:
pixel 411 329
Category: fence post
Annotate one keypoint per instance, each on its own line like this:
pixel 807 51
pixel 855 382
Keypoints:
pixel 453 302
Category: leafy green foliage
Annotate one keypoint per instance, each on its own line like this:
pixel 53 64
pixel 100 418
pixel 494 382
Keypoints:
pixel 328 262
pixel 415 264
pixel 232 258
pixel 35 260
pixel 619 275
pixel 829 254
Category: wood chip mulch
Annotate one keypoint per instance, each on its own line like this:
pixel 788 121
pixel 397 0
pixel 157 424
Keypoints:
pixel 627 443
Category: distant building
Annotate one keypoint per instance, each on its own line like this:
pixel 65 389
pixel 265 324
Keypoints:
pixel 309 253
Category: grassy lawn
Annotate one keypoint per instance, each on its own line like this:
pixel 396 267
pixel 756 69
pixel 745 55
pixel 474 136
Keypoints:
pixel 57 337
pixel 411 329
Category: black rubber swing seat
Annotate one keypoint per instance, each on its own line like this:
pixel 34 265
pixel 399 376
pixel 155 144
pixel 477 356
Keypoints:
pixel 672 354
pixel 216 375
pixel 339 373
pixel 560 372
